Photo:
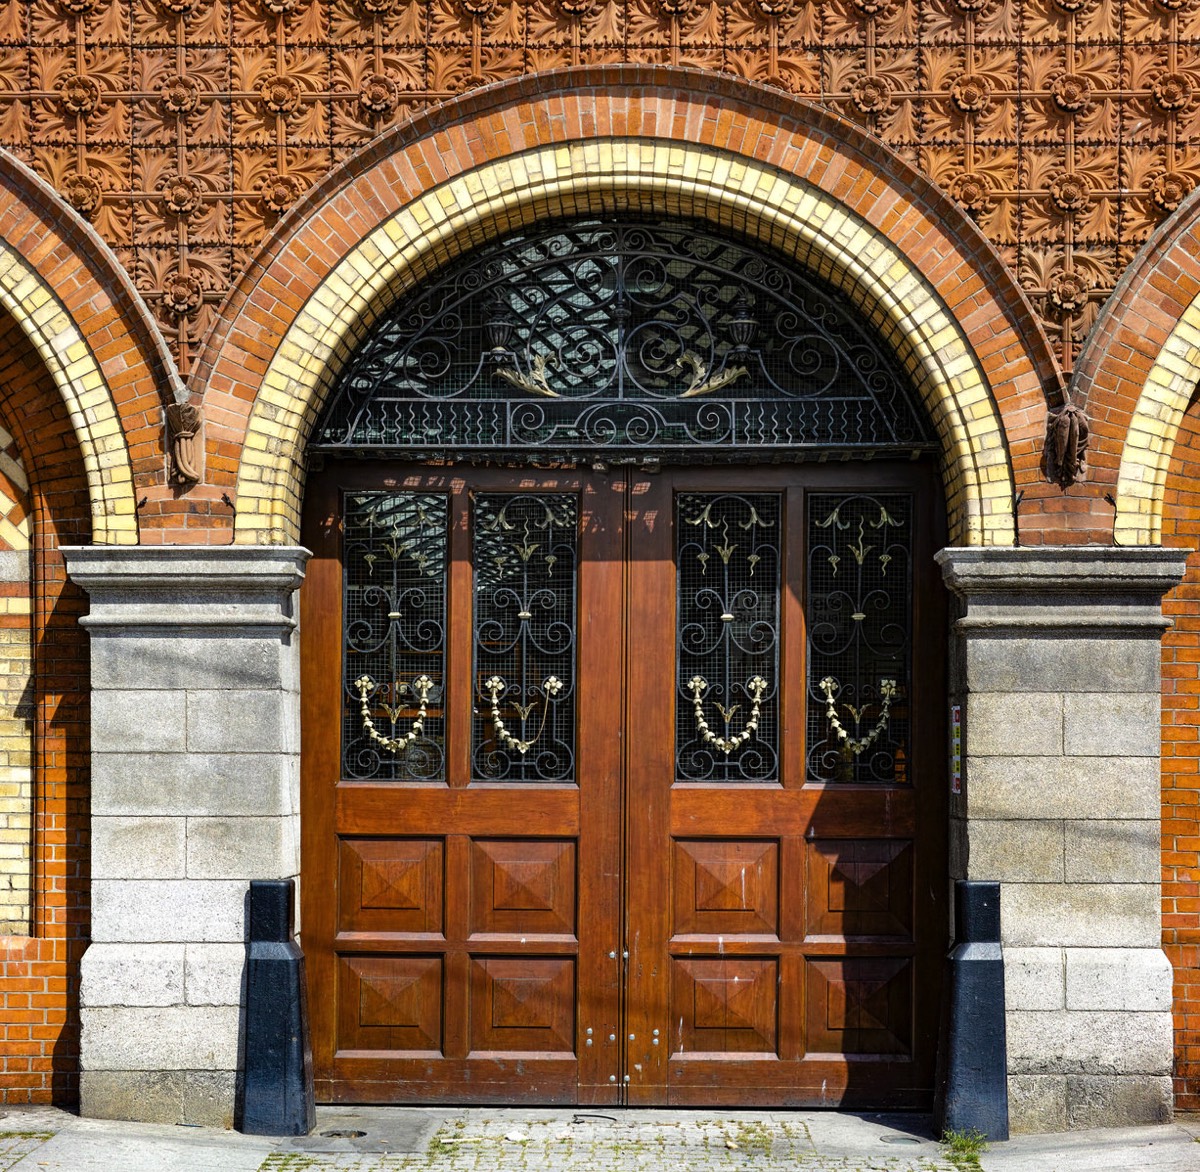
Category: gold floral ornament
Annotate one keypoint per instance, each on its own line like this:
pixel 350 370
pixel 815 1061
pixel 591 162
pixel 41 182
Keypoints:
pixel 179 94
pixel 378 93
pixel 887 692
pixel 371 8
pixel 1069 192
pixel 1170 5
pixel 972 190
pixel 1069 6
pixel 777 9
pixel 872 95
pixel 78 94
pixel 673 7
pixel 1068 291
pixel 756 686
pixel 278 7
pixel 177 7
pixel 82 192
pixel 1172 91
pixel 971 5
pixel 552 687
pixel 280 93
pixel 182 295
pixel 971 93
pixel 180 195
pixel 1170 189
pixel 476 8
pixel 421 687
pixel 1072 92
pixel 278 192
pixel 77 7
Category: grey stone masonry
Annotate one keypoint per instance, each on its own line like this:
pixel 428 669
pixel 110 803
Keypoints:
pixel 195 791
pixel 1055 662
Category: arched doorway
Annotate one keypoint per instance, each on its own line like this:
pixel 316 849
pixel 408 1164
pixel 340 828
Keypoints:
pixel 622 755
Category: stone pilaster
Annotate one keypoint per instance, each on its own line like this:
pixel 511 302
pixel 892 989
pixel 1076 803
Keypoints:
pixel 1057 664
pixel 195 791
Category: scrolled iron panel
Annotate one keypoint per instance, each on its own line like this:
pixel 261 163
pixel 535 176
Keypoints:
pixel 727 551
pixel 859 637
pixel 394 623
pixel 524 557
pixel 648 338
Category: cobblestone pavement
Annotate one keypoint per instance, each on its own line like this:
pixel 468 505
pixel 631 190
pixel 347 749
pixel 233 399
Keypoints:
pixel 628 1141
pixel 364 1139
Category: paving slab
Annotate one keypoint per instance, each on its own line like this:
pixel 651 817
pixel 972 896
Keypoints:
pixel 398 1139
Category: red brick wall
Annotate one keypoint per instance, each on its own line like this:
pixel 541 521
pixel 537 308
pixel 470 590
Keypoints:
pixel 1181 761
pixel 39 974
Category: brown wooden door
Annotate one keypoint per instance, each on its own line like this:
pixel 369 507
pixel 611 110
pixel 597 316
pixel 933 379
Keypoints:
pixel 572 896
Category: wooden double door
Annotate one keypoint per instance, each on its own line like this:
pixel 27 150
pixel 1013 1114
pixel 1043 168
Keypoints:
pixel 623 787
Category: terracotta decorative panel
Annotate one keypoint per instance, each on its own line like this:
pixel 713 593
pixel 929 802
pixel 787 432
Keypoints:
pixel 523 1004
pixel 726 888
pixel 390 1003
pixel 523 887
pixel 186 128
pixel 724 1005
pixel 390 884
pixel 860 888
pixel 859 1005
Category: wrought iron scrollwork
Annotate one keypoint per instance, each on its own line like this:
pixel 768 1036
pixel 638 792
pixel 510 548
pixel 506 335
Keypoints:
pixel 859 637
pixel 638 337
pixel 394 610
pixel 524 556
pixel 727 659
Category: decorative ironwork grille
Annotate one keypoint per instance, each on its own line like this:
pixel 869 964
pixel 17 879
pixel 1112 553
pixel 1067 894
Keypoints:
pixel 727 624
pixel 635 338
pixel 859 637
pixel 394 618
pixel 524 557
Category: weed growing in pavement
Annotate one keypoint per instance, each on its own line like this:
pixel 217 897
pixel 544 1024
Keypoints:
pixel 963 1148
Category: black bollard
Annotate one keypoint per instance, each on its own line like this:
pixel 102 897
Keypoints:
pixel 278 1088
pixel 972 1091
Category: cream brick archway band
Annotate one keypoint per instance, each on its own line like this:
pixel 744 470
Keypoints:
pixel 35 307
pixel 1150 440
pixel 617 175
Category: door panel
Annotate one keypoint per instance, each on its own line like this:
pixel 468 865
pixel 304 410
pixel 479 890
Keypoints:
pixel 611 795
pixel 458 922
pixel 772 912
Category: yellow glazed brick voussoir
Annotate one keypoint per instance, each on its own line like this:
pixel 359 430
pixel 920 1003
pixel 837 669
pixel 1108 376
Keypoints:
pixel 444 221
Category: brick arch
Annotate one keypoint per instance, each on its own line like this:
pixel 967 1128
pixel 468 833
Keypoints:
pixel 1138 371
pixel 800 180
pixel 66 293
pixel 41 1034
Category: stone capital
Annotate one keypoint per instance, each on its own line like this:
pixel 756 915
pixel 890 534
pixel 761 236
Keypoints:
pixel 145 588
pixel 1076 590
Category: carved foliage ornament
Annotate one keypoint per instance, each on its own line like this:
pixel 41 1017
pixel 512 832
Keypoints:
pixel 79 95
pixel 972 190
pixel 1064 455
pixel 183 423
pixel 82 192
pixel 971 93
pixel 1072 92
pixel 1170 189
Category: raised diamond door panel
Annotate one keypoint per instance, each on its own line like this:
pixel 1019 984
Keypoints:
pixel 860 1006
pixel 524 1004
pixel 391 884
pixel 523 887
pixel 725 1006
pixel 391 1003
pixel 860 888
pixel 726 888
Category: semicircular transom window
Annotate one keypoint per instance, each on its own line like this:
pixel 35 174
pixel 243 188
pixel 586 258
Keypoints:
pixel 659 339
